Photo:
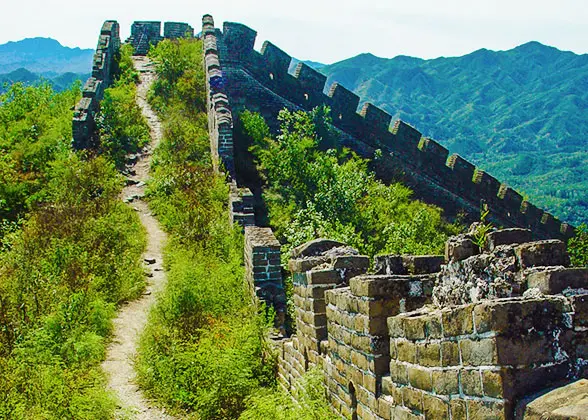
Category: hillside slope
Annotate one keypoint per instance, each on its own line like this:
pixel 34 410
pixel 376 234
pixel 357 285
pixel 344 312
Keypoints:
pixel 521 114
pixel 44 55
pixel 59 82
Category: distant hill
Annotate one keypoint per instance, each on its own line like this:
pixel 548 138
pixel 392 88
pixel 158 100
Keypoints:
pixel 521 114
pixel 42 55
pixel 58 81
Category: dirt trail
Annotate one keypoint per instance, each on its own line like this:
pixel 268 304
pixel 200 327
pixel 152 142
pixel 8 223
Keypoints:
pixel 132 316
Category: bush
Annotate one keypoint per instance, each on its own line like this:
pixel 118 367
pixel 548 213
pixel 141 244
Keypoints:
pixel 315 190
pixel 578 247
pixel 70 252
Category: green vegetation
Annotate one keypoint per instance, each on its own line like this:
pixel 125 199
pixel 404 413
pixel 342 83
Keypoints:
pixel 70 253
pixel 312 192
pixel 578 247
pixel 203 349
pixel 121 126
pixel 518 114
pixel 310 403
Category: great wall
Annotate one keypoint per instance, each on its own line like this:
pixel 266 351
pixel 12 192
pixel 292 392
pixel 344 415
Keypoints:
pixel 494 332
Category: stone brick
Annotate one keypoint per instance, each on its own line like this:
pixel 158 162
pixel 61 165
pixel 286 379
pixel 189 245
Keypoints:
pixel 542 253
pixel 508 237
pixel 389 264
pixel 435 408
pixel 414 327
pixel 459 248
pixel 323 277
pixel 385 407
pixel 429 354
pixel 478 409
pixel 406 351
pixel 420 378
pixel 457 321
pixel 492 383
pixel 413 398
pixel 445 382
pixel 479 352
pixel 422 264
pixel 458 409
pixel 396 326
pixel 315 248
pixel 524 350
pixel 471 382
pixel 450 353
pixel 555 279
pixel 398 372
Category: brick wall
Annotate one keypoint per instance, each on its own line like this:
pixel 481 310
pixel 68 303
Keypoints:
pixel 103 70
pixel 391 347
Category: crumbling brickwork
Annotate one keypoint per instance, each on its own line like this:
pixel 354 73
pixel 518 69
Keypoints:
pixel 103 70
pixel 392 345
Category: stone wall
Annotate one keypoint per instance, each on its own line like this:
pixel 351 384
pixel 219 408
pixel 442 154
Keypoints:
pixel 262 251
pixel 393 344
pixel 174 30
pixel 261 81
pixel 103 70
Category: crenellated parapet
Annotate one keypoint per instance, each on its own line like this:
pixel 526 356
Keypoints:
pixel 263 81
pixel 103 70
pixel 438 337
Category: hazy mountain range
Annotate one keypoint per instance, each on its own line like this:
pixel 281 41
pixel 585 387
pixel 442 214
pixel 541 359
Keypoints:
pixel 44 55
pixel 521 114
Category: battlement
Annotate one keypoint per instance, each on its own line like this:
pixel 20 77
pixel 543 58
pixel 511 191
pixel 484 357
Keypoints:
pixel 433 336
pixel 264 81
pixel 103 70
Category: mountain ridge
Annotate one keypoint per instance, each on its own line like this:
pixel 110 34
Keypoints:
pixel 41 55
pixel 521 114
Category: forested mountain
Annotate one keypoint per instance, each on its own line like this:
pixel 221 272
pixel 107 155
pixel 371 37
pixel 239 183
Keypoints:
pixel 59 82
pixel 43 55
pixel 521 114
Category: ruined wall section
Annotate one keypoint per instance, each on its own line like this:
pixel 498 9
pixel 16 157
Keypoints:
pixel 390 347
pixel 103 70
pixel 261 81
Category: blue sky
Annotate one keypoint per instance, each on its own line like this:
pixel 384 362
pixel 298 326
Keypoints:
pixel 326 30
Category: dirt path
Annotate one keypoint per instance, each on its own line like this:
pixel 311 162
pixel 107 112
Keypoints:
pixel 132 316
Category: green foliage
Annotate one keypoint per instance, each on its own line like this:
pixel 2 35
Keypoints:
pixel 122 127
pixel 517 114
pixel 311 402
pixel 578 247
pixel 179 80
pixel 70 252
pixel 203 349
pixel 482 228
pixel 312 192
pixel 35 131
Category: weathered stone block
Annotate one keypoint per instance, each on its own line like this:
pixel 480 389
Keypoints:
pixel 450 353
pixel 435 408
pixel 568 402
pixel 423 264
pixel 479 352
pixel 457 321
pixel 458 409
pixel 315 248
pixel 420 377
pixel 554 280
pixel 508 237
pixel 389 264
pixel 479 409
pixel 542 253
pixel 429 354
pixel 471 383
pixel 459 248
pixel 445 382
pixel 406 351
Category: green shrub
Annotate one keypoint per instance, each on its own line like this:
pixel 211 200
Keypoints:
pixel 578 247
pixel 316 190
